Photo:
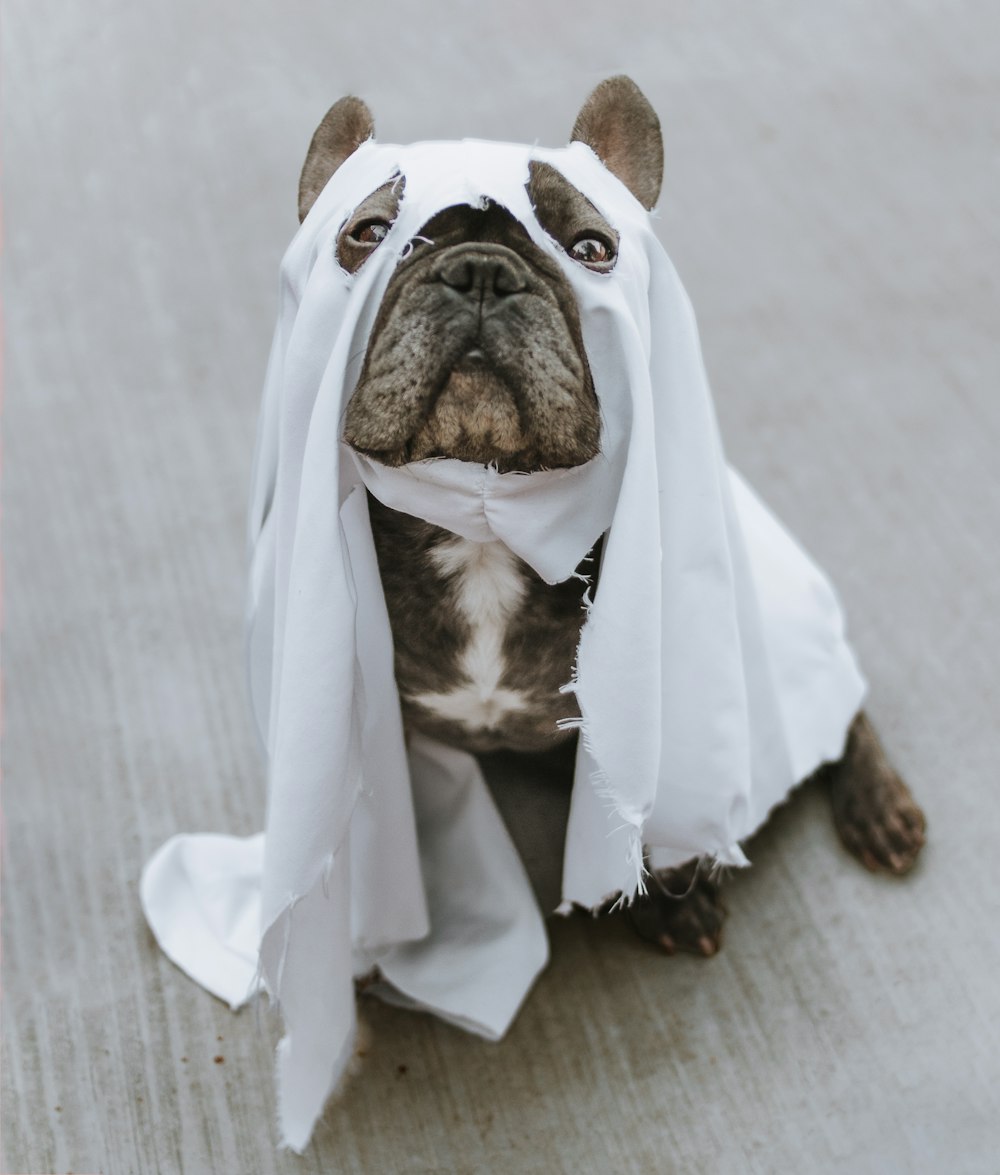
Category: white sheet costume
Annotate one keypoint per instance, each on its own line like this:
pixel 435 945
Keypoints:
pixel 712 673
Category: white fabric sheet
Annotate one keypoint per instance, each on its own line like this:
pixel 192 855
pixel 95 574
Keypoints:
pixel 712 672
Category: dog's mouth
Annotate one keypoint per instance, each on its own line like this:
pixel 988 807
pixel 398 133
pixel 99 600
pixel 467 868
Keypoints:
pixel 476 354
pixel 475 415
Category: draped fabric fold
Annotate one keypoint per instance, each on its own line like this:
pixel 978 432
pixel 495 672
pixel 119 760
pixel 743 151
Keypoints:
pixel 712 673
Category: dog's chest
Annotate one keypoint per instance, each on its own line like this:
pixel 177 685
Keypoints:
pixel 482 645
pixel 487 589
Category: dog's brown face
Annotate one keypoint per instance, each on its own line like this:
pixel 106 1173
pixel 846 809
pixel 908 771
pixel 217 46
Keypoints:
pixel 476 352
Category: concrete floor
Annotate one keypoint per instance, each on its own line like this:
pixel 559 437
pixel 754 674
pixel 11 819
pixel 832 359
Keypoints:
pixel 832 189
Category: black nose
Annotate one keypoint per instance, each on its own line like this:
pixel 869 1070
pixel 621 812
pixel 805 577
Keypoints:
pixel 482 273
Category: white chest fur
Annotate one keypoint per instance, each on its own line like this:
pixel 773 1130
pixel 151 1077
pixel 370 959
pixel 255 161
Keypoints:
pixel 489 587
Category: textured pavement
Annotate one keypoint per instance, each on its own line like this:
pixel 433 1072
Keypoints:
pixel 831 198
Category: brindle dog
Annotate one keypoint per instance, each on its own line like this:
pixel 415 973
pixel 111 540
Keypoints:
pixel 477 353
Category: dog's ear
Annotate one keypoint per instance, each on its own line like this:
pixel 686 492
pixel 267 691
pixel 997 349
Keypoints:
pixel 347 124
pixel 619 125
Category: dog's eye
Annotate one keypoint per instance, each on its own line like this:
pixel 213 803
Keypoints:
pixel 592 251
pixel 370 232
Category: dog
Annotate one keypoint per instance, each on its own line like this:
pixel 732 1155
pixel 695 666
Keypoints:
pixel 476 353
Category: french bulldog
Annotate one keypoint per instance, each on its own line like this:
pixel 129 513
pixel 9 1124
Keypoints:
pixel 476 353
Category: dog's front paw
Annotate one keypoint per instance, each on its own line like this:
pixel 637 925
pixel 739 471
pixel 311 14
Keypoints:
pixel 879 821
pixel 873 811
pixel 681 912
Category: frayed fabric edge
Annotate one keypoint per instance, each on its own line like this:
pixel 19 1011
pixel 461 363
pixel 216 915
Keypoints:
pixel 296 1122
pixel 605 791
pixel 600 781
pixel 298 1143
pixel 716 865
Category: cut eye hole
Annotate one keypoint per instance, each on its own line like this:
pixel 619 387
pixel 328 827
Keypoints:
pixel 370 232
pixel 591 250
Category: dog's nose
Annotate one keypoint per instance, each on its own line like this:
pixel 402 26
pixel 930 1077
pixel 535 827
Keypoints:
pixel 482 274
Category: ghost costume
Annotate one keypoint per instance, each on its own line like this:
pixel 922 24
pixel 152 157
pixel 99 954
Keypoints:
pixel 712 674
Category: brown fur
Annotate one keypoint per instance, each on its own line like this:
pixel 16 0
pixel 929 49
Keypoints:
pixel 477 308
pixel 620 126
pixel 873 811
pixel 381 205
pixel 345 126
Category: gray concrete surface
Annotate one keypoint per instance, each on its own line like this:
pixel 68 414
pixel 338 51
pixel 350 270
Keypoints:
pixel 831 201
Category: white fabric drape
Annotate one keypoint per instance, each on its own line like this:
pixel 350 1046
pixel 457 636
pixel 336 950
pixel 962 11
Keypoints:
pixel 712 673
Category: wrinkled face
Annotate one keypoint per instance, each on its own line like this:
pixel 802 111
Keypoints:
pixel 476 352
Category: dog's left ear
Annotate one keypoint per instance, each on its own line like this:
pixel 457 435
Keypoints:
pixel 619 125
pixel 346 125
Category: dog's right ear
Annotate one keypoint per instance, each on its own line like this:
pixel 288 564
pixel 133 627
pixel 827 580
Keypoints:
pixel 347 124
